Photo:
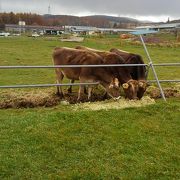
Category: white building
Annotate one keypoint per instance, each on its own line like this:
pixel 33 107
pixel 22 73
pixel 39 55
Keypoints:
pixel 158 27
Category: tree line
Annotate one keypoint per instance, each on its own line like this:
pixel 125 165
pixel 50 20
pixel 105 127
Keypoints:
pixel 12 18
pixel 51 20
pixel 61 20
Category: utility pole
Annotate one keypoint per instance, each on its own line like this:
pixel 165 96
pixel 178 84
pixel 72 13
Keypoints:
pixel 49 9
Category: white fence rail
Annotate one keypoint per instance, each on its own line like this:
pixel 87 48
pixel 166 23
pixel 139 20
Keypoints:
pixel 90 65
pixel 76 66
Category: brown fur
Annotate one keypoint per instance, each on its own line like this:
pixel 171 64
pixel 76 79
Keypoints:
pixel 69 56
pixel 137 72
pixel 122 73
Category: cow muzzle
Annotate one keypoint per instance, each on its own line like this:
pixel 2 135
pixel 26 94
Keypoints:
pixel 117 98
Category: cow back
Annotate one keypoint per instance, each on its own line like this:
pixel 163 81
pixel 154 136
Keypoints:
pixel 137 72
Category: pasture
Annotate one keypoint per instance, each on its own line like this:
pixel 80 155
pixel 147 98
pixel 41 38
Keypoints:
pixel 60 143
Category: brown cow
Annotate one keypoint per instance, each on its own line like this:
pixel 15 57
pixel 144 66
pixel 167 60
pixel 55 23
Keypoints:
pixel 69 56
pixel 129 85
pixel 137 72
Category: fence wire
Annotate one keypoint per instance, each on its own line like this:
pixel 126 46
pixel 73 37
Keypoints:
pixel 90 65
pixel 78 66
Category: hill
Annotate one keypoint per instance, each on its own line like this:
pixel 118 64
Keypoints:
pixel 96 20
pixel 175 21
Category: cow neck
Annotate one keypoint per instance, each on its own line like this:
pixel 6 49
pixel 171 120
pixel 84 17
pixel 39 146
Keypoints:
pixel 140 70
pixel 123 74
pixel 106 77
pixel 124 79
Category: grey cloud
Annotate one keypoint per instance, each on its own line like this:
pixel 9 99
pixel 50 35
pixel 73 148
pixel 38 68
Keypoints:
pixel 119 7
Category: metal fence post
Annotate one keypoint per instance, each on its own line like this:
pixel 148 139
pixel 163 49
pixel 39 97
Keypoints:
pixel 153 69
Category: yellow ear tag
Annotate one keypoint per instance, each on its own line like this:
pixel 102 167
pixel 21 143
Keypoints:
pixel 141 84
pixel 125 85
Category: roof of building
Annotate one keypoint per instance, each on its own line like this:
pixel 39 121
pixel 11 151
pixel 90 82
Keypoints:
pixel 160 26
pixel 81 28
pixel 34 27
pixel 91 28
pixel 141 32
pixel 115 30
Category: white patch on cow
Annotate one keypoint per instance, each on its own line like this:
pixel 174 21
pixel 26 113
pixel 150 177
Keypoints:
pixel 72 49
pixel 123 51
pixel 117 98
pixel 95 50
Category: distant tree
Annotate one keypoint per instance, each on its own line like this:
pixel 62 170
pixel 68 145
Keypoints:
pixel 115 25
pixel 1 20
pixel 11 18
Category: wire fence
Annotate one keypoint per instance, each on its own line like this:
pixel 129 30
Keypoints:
pixel 90 65
pixel 78 66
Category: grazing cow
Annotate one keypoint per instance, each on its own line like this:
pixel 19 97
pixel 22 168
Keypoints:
pixel 137 72
pixel 69 56
pixel 129 85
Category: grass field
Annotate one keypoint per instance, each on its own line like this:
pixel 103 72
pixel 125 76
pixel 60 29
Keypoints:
pixel 52 143
pixel 37 51
pixel 60 143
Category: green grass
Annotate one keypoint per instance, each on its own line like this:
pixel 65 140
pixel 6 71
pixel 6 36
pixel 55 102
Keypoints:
pixel 134 143
pixel 59 143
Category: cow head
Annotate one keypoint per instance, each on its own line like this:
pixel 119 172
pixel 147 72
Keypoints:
pixel 131 88
pixel 142 88
pixel 113 89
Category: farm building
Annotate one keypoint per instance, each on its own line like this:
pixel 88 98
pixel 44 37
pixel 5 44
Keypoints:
pixel 81 29
pixel 55 30
pixel 92 30
pixel 113 30
pixel 159 27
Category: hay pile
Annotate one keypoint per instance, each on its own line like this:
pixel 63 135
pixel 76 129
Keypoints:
pixel 39 98
pixel 23 99
pixel 111 104
pixel 47 98
pixel 154 92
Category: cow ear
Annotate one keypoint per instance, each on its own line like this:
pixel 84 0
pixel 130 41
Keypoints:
pixel 125 85
pixel 116 82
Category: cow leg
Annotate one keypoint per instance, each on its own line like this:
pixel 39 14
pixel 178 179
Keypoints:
pixel 90 88
pixel 85 90
pixel 81 88
pixel 70 87
pixel 59 77
pixel 80 92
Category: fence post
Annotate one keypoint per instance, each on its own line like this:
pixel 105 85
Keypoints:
pixel 152 66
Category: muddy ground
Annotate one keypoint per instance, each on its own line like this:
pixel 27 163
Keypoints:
pixel 41 98
pixel 48 98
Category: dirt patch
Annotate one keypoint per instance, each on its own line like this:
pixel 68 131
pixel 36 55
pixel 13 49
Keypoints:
pixel 39 98
pixel 154 92
pixel 14 99
pixel 155 42
pixel 47 98
pixel 150 40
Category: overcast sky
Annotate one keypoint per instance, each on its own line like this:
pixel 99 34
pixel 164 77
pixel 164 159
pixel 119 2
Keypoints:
pixel 155 10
